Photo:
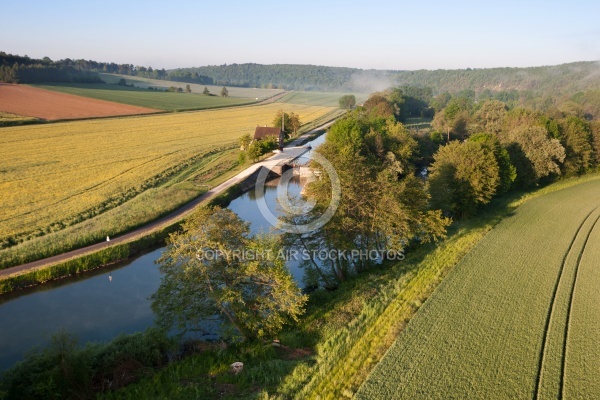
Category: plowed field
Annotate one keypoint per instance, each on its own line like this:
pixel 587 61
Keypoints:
pixel 51 106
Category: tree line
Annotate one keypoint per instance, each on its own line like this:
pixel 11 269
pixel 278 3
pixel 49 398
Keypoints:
pixel 16 69
pixel 23 69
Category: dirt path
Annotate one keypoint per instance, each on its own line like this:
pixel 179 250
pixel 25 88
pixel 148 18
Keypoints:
pixel 293 150
pixel 273 99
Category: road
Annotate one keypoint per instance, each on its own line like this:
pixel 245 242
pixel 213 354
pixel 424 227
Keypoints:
pixel 292 151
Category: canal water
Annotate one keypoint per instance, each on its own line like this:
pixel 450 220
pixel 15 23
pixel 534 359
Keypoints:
pixel 98 305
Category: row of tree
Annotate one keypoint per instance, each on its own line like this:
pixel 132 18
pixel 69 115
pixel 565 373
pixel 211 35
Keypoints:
pixel 493 149
pixel 19 73
pixel 530 146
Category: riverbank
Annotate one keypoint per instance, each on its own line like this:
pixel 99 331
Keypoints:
pixel 128 245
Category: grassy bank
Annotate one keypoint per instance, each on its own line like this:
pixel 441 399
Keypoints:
pixel 104 257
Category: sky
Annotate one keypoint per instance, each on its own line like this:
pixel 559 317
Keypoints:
pixel 368 34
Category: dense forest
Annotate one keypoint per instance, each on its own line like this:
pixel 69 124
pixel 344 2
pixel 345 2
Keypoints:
pixel 285 76
pixel 558 79
pixel 23 69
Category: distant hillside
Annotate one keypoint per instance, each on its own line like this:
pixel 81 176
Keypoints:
pixel 283 76
pixel 565 79
pixel 549 81
pixel 562 79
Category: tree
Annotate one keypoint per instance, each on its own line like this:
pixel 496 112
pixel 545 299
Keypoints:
pixel 242 157
pixel 224 92
pixel 378 106
pixel 188 89
pixel 215 274
pixel 440 101
pixel 122 82
pixel 595 127
pixel 206 92
pixel 544 153
pixel 456 106
pixel 490 116
pixel 416 102
pixel 283 120
pixel 507 172
pixel 463 176
pixel 576 138
pixel 245 141
pixel 382 205
pixel 254 151
pixel 294 122
pixel 347 102
pixel 454 118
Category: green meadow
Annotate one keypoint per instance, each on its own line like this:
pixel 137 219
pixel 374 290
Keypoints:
pixel 516 318
pixel 158 100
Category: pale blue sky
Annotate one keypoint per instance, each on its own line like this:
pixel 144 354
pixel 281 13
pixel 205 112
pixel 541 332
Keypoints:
pixel 424 34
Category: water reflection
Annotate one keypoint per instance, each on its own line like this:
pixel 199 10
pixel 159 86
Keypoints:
pixel 94 308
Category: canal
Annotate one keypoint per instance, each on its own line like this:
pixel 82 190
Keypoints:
pixel 99 305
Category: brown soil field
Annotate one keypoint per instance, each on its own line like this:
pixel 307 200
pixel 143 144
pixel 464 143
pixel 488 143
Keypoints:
pixel 51 106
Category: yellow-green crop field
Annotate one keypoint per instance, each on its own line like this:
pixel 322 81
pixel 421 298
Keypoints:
pixel 517 318
pixel 56 175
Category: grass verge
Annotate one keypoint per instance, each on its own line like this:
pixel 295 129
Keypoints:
pixel 104 257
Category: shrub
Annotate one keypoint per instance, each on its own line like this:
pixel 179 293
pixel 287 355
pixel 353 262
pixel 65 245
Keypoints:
pixel 64 370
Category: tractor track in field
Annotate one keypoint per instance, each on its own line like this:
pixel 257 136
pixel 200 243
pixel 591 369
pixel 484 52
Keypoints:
pixel 572 296
pixel 553 304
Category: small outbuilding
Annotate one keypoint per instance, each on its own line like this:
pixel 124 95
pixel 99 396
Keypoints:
pixel 263 131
